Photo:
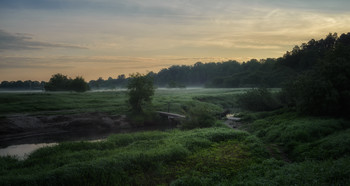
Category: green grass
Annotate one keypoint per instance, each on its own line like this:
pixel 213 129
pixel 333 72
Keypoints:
pixel 113 102
pixel 63 102
pixel 275 172
pixel 208 156
pixel 141 158
pixel 305 138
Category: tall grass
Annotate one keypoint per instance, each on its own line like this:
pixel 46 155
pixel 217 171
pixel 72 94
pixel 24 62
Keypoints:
pixel 305 137
pixel 141 158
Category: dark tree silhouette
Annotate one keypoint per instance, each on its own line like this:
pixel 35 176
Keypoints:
pixel 140 91
pixel 59 82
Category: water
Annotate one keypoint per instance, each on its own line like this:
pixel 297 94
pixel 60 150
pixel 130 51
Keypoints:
pixel 22 151
pixel 21 91
pixel 21 148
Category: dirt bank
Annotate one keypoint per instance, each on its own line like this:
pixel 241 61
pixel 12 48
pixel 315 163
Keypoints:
pixel 19 129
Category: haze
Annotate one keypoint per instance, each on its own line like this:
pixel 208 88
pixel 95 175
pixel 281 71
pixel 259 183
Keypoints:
pixel 105 38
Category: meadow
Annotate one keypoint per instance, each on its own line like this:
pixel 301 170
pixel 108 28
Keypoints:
pixel 108 101
pixel 278 147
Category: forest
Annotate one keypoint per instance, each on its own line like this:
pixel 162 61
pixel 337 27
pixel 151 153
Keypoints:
pixel 268 72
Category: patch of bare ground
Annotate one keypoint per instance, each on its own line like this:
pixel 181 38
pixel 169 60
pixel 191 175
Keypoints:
pixel 23 128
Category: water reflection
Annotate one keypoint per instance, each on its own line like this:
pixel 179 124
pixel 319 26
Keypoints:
pixel 21 148
pixel 22 151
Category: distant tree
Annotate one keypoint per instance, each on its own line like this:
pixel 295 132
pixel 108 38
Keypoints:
pixel 140 91
pixel 58 82
pixel 121 77
pixel 79 85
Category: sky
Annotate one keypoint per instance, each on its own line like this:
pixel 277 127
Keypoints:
pixel 106 38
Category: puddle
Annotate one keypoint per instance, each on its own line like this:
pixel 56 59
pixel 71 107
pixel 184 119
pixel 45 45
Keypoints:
pixel 23 150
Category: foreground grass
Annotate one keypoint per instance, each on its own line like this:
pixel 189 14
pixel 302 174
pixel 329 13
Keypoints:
pixel 304 137
pixel 146 158
pixel 209 156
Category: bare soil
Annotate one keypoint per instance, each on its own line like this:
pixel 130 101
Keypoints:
pixel 19 129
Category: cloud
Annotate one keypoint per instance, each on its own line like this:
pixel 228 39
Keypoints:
pixel 19 41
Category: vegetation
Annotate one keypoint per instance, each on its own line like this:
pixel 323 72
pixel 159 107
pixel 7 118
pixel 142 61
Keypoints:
pixel 59 82
pixel 142 158
pixel 110 83
pixel 253 73
pixel 258 100
pixel 199 116
pixel 140 91
pixel 286 144
pixel 293 131
pixel 22 85
pixel 113 102
pixel 200 157
pixel 325 89
pixel 63 102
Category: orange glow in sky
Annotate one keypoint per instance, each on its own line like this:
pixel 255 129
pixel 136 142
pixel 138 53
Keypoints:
pixel 106 38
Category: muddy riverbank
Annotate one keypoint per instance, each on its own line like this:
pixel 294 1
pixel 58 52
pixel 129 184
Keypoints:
pixel 27 129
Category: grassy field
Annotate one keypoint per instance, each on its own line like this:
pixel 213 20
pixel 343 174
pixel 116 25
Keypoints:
pixel 109 101
pixel 276 148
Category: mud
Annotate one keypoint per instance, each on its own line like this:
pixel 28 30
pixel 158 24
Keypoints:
pixel 24 129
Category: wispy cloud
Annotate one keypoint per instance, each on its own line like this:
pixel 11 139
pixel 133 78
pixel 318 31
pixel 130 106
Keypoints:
pixel 20 41
pixel 139 35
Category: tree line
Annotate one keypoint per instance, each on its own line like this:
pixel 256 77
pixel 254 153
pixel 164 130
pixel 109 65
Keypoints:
pixel 270 72
pixel 307 60
pixel 321 86
pixel 60 82
pixel 22 85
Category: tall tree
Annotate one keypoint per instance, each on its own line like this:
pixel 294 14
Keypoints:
pixel 140 91
pixel 58 82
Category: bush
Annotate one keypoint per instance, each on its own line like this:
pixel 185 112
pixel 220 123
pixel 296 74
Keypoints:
pixel 258 100
pixel 140 91
pixel 199 116
pixel 59 82
pixel 324 90
pixel 304 137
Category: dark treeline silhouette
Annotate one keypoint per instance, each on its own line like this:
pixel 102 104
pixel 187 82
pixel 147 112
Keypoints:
pixel 110 83
pixel 59 82
pixel 322 84
pixel 268 72
pixel 22 85
pixel 324 89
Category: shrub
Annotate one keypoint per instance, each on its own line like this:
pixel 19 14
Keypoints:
pixel 140 91
pixel 199 116
pixel 59 82
pixel 258 100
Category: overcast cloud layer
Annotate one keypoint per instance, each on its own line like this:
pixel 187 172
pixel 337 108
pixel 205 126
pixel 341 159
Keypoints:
pixel 105 38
